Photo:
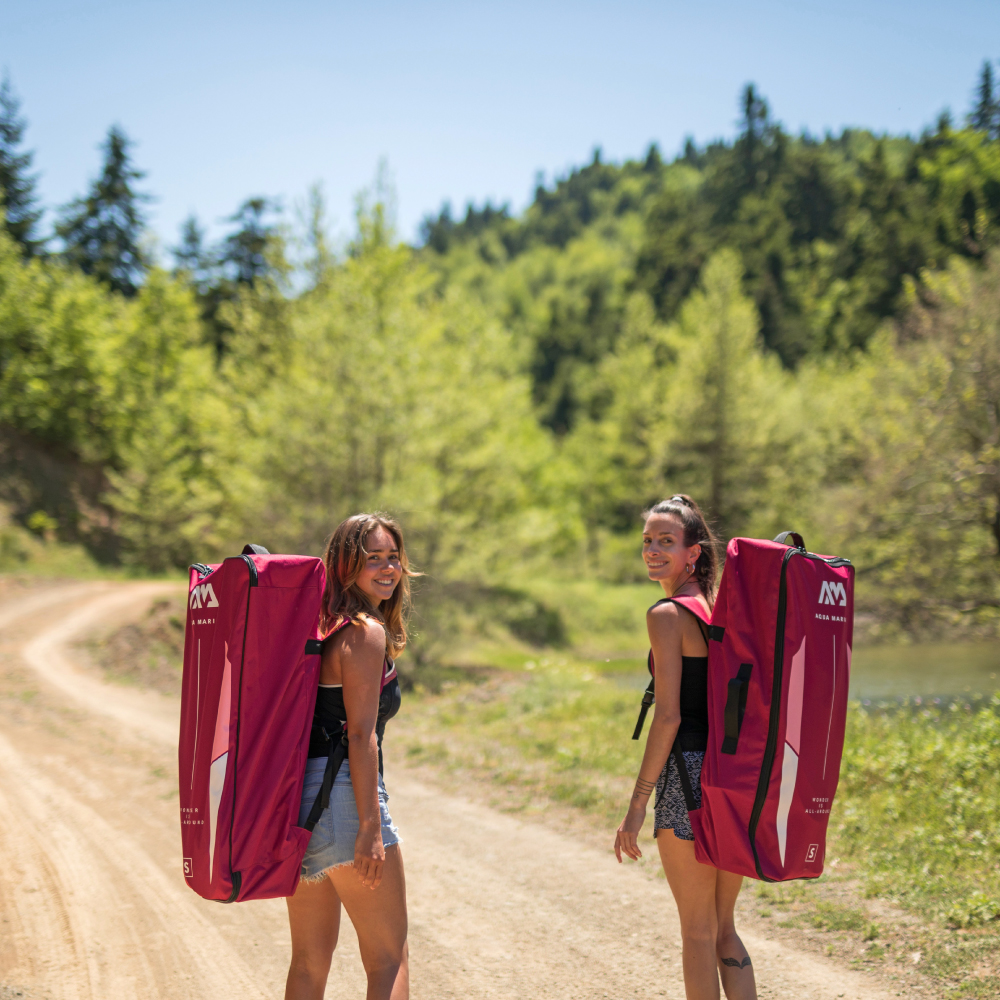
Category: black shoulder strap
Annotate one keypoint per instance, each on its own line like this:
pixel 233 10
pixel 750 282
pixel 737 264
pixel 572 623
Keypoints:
pixel 682 773
pixel 338 752
pixel 647 699
pixel 685 779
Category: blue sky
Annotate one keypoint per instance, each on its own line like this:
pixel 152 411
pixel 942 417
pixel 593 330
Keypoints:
pixel 464 101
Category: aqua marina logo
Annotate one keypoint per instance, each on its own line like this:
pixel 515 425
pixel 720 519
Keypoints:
pixel 833 593
pixel 202 596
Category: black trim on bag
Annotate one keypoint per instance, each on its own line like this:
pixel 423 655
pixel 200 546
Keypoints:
pixel 771 746
pixel 236 877
pixel 736 705
pixel 314 647
pixel 716 632
pixel 252 566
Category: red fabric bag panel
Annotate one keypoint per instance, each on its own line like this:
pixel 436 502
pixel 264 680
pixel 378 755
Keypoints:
pixel 765 807
pixel 247 701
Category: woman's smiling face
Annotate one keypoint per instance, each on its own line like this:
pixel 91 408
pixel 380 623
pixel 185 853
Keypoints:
pixel 663 549
pixel 383 570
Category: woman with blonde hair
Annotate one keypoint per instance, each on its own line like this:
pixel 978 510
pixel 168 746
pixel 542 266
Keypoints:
pixel 679 551
pixel 353 855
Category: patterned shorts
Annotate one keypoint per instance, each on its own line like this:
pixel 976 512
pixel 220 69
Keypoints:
pixel 672 813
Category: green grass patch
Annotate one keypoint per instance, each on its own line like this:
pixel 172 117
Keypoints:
pixel 918 808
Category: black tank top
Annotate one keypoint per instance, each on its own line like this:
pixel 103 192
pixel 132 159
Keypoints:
pixel 330 715
pixel 692 734
pixel 693 730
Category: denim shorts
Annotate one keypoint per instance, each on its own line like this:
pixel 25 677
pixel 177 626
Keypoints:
pixel 332 842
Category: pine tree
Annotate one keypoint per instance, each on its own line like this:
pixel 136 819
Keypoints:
pixel 192 257
pixel 17 185
pixel 985 114
pixel 102 231
pixel 760 146
pixel 245 252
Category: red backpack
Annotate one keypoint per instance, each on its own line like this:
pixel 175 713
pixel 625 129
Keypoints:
pixel 778 675
pixel 251 672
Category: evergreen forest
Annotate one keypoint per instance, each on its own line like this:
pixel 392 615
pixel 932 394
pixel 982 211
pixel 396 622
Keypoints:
pixel 799 331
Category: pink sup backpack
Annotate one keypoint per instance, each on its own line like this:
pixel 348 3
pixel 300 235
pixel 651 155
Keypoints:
pixel 251 670
pixel 778 674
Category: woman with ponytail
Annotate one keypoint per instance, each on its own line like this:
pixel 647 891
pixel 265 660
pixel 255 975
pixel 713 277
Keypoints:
pixel 353 855
pixel 680 554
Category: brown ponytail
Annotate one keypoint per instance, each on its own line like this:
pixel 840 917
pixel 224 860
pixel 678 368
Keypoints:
pixel 696 532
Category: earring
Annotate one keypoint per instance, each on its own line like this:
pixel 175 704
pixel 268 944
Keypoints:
pixel 687 569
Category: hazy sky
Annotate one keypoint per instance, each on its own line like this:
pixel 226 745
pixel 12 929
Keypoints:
pixel 465 101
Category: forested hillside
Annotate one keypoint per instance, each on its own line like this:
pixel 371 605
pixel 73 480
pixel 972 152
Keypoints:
pixel 801 332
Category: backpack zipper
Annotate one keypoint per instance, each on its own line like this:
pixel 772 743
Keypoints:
pixel 236 877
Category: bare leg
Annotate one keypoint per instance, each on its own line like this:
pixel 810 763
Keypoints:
pixel 735 967
pixel 379 917
pixel 693 885
pixel 314 917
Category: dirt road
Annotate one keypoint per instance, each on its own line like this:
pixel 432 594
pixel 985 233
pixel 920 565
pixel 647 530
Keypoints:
pixel 93 905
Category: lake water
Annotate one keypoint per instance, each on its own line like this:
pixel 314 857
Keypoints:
pixel 925 670
pixel 888 672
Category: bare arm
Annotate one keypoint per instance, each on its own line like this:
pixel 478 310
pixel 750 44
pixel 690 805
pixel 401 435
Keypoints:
pixel 362 655
pixel 665 628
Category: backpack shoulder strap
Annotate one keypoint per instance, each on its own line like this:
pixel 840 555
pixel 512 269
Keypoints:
pixel 314 647
pixel 693 605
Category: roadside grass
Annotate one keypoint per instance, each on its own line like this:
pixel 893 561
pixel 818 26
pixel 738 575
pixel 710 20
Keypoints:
pixel 919 807
pixel 23 553
pixel 912 889
pixel 27 555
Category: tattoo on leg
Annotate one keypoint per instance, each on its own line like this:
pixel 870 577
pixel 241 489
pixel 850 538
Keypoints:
pixel 735 963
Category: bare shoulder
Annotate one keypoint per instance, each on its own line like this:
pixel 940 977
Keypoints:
pixel 664 614
pixel 365 636
pixel 374 630
pixel 362 637
pixel 664 620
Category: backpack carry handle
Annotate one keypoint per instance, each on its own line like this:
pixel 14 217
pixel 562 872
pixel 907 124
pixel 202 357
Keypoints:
pixel 736 704
pixel 795 537
pixel 254 550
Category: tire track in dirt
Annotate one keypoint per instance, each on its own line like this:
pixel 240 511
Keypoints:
pixel 148 712
pixel 112 890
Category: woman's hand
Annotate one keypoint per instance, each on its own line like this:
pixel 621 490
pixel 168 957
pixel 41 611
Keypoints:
pixel 369 855
pixel 626 839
